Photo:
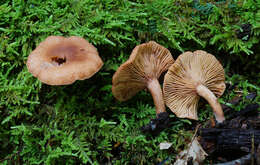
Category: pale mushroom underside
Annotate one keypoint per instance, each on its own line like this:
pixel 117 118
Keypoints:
pixel 188 71
pixel 146 62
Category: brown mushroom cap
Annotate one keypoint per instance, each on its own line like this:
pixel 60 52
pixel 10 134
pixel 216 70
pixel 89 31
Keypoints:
pixel 61 61
pixel 146 62
pixel 182 79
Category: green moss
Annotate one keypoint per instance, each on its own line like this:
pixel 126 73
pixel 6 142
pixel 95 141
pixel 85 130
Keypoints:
pixel 82 122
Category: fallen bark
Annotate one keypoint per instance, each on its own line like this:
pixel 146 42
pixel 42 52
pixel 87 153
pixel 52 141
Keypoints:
pixel 231 139
pixel 236 140
pixel 245 160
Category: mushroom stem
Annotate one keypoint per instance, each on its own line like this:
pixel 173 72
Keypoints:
pixel 213 101
pixel 156 91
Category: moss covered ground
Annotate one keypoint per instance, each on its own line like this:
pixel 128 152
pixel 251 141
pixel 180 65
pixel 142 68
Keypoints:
pixel 83 123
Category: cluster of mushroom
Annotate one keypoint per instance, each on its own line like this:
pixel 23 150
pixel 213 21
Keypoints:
pixel 61 61
pixel 192 75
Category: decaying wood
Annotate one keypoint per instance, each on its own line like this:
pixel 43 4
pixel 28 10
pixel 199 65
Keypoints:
pixel 237 140
pixel 231 139
pixel 245 160
pixel 258 155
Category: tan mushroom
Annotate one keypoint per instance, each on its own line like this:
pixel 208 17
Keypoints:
pixel 142 70
pixel 61 61
pixel 191 76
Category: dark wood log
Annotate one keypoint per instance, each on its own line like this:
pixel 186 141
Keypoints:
pixel 235 138
pixel 231 139
pixel 244 160
pixel 247 118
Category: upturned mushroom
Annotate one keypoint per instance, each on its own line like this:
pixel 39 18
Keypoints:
pixel 61 61
pixel 191 76
pixel 142 70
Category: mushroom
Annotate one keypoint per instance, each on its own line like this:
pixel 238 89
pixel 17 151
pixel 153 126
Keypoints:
pixel 142 70
pixel 61 61
pixel 191 76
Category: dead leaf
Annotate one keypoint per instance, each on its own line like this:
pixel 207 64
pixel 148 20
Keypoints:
pixel 165 145
pixel 194 153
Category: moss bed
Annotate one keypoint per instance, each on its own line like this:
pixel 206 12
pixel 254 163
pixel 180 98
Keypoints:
pixel 83 123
